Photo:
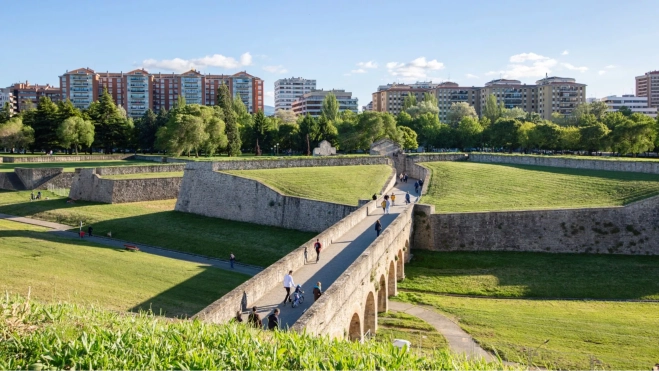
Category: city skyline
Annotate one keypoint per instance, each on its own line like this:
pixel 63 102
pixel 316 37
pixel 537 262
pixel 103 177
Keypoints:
pixel 355 47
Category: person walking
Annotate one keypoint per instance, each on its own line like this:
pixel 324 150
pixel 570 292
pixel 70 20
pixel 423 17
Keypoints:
pixel 407 198
pixel 400 177
pixel 317 291
pixel 388 205
pixel 273 320
pixel 375 197
pixel 232 259
pixel 384 206
pixel 393 199
pixel 378 228
pixel 405 177
pixel 317 246
pixel 32 196
pixel 239 317
pixel 254 319
pixel 305 255
pixel 90 230
pixel 416 187
pixel 288 283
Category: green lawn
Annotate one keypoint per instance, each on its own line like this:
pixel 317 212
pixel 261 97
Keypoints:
pixel 165 174
pixel 582 334
pixel 527 274
pixel 424 338
pixel 340 184
pixel 56 268
pixel 69 167
pixel 156 223
pixel 575 157
pixel 467 186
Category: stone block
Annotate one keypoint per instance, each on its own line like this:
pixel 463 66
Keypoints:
pixel 324 149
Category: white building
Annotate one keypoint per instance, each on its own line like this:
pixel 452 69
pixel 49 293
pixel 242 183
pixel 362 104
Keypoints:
pixel 312 102
pixel 634 103
pixel 288 90
pixel 6 96
pixel 417 85
pixel 368 107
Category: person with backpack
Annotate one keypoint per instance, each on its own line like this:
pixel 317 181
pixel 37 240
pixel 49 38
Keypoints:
pixel 384 206
pixel 273 320
pixel 288 284
pixel 90 230
pixel 407 198
pixel 416 187
pixel 393 199
pixel 254 319
pixel 317 246
pixel 378 228
pixel 317 291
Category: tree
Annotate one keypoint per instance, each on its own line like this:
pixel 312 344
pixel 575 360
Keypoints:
pixel 423 108
pixel 330 107
pixel 430 98
pixel 309 131
pixel 533 117
pixel 146 128
pixel 286 116
pixel 327 131
pixel 259 126
pixel 409 101
pixel 76 132
pixel 14 134
pixel 428 128
pixel 598 108
pixel 458 111
pixel 5 113
pixel 492 110
pixel 111 130
pixel 625 111
pixel 569 137
pixel 593 137
pixel 44 121
pixel 469 132
pixel 215 129
pixel 288 136
pixel 634 135
pixel 513 113
pixel 505 133
pixel 525 136
pixel 407 138
pixel 232 131
pixel 546 136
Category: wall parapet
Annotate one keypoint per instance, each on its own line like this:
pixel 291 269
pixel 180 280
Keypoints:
pixel 649 167
pixel 87 185
pixel 58 158
pixel 287 163
pixel 138 169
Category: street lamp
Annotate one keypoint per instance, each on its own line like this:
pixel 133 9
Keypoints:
pixel 277 149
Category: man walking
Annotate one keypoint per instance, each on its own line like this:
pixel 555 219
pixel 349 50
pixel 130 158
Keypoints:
pixel 317 291
pixel 305 255
pixel 288 283
pixel 317 246
pixel 232 259
pixel 378 228
pixel 273 320
pixel 416 187
pixel 407 198
pixel 388 204
pixel 393 199
pixel 254 319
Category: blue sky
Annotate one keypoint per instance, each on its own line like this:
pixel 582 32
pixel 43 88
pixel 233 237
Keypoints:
pixel 352 45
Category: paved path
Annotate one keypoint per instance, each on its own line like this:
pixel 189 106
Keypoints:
pixel 334 259
pixel 64 231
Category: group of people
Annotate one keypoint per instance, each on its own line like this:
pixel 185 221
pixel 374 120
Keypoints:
pixel 402 177
pixel 37 197
pixel 418 186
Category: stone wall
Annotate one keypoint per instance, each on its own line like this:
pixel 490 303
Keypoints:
pixel 88 186
pixel 650 167
pixel 632 229
pixel 409 164
pixel 58 158
pixel 33 177
pixel 171 160
pixel 139 169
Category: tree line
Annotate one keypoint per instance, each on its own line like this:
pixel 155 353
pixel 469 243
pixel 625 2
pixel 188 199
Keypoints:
pixel 229 128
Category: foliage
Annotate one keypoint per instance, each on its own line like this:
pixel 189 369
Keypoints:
pixel 409 101
pixel 492 111
pixel 469 132
pixel 330 108
pixel 193 128
pixel 146 128
pixel 286 116
pixel 513 113
pixel 15 135
pixel 633 134
pixel 44 121
pixel 231 126
pixel 407 138
pixel 458 111
pixel 5 113
pixel 423 108
pixel 504 133
pixel 112 130
pixel 76 132
pixel 327 131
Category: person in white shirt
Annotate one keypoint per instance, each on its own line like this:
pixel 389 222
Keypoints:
pixel 288 284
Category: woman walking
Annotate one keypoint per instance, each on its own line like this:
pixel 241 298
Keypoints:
pixel 378 228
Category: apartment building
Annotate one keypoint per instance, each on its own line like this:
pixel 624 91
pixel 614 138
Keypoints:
pixel 448 93
pixel 417 85
pixel 512 93
pixel 288 90
pixel 634 103
pixel 26 94
pixel 6 96
pixel 80 86
pixel 312 102
pixel 368 107
pixel 648 86
pixel 391 97
pixel 558 94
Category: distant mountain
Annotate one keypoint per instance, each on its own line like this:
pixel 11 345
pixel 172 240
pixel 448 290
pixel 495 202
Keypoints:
pixel 269 110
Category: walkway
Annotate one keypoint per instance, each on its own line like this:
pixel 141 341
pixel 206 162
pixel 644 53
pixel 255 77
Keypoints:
pixel 334 260
pixel 63 230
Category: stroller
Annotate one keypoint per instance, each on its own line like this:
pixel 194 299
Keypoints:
pixel 298 298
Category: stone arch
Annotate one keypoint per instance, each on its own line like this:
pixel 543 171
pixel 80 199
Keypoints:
pixel 382 295
pixel 400 270
pixel 355 329
pixel 392 290
pixel 370 314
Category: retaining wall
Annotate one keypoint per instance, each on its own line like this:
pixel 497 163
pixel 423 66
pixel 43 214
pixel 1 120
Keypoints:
pixel 35 178
pixel 650 167
pixel 139 169
pixel 88 186
pixel 287 163
pixel 45 158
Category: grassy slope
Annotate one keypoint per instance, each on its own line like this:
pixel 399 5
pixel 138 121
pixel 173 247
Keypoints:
pixel 514 274
pixel 620 335
pixel 465 186
pixel 576 157
pixel 424 338
pixel 56 268
pixel 340 184
pixel 69 167
pixel 166 174
pixel 156 223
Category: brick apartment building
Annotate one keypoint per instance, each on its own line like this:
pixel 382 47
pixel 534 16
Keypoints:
pixel 648 86
pixel 25 94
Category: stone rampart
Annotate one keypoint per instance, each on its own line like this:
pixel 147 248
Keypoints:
pixel 87 185
pixel 139 169
pixel 34 177
pixel 57 158
pixel 281 163
pixel 632 229
pixel 650 167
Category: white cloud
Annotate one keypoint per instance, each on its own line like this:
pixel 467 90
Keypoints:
pixel 360 70
pixel 270 94
pixel 524 57
pixel 601 72
pixel 275 69
pixel 369 64
pixel 610 66
pixel 574 68
pixel 471 76
pixel 565 52
pixel 182 65
pixel 416 69
pixel 526 65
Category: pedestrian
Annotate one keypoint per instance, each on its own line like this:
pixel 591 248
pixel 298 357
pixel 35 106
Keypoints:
pixel 388 205
pixel 317 291
pixel 239 317
pixel 273 320
pixel 400 177
pixel 407 198
pixel 375 197
pixel 420 182
pixel 232 259
pixel 254 319
pixel 39 195
pixel 378 228
pixel 90 231
pixel 416 187
pixel 288 283
pixel 384 205
pixel 305 255
pixel 81 233
pixel 32 196
pixel 405 177
pixel 393 199
pixel 317 246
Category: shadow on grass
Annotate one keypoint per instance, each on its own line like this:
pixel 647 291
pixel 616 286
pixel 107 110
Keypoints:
pixel 603 174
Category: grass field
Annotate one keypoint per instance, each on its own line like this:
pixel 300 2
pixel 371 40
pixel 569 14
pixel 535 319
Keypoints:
pixel 543 275
pixel 69 167
pixel 156 223
pixel 57 268
pixel 424 338
pixel 340 184
pixel 576 157
pixel 465 186
pixel 164 174
pixel 582 335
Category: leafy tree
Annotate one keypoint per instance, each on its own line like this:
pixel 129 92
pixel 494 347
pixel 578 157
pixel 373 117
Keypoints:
pixel 146 128
pixel 430 98
pixel 327 131
pixel 309 127
pixel 513 113
pixel 625 111
pixel 44 121
pixel 76 132
pixel 259 126
pixel 428 128
pixel 492 110
pixel 183 133
pixel 469 132
pixel 525 135
pixel 409 101
pixel 233 134
pixel 593 137
pixel 15 135
pixel 66 109
pixel 599 109
pixel 404 119
pixel 634 135
pixel 288 136
pixel 546 136
pixel 505 133
pixel 407 138
pixel 533 117
pixel 423 108
pixel 111 129
pixel 239 107
pixel 215 129
pixel 5 113
pixel 348 134
pixel 458 111
pixel 330 107
pixel 443 136
pixel 287 116
pixel 569 137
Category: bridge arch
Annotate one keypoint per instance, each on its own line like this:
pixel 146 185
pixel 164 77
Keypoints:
pixel 370 314
pixel 382 295
pixel 400 272
pixel 355 329
pixel 391 280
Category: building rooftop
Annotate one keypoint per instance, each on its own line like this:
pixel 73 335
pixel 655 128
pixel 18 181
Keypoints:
pixel 503 82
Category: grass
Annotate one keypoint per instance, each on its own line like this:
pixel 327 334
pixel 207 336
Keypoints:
pixel 69 167
pixel 339 184
pixel 251 156
pixel 156 223
pixel 164 174
pixel 425 339
pixel 582 334
pixel 466 187
pixel 575 157
pixel 541 275
pixel 56 268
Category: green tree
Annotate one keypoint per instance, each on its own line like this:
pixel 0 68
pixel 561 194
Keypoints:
pixel 599 109
pixel 458 111
pixel 569 138
pixel 409 101
pixel 327 131
pixel 593 137
pixel 533 117
pixel 492 111
pixel 504 133
pixel 75 132
pixel 286 116
pixel 215 129
pixel 634 135
pixel 146 128
pixel 44 121
pixel 110 128
pixel 469 132
pixel 5 113
pixel 232 131
pixel 15 135
pixel 428 128
pixel 422 108
pixel 407 138
pixel 525 135
pixel 430 98
pixel 546 136
pixel 625 111
pixel 330 107
pixel 513 113
pixel 309 127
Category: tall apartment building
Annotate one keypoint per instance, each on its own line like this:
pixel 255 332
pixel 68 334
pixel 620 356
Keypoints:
pixel 368 107
pixel 559 94
pixel 634 103
pixel 391 97
pixel 6 96
pixel 288 90
pixel 417 85
pixel 312 102
pixel 80 86
pixel 648 86
pixel 448 93
pixel 512 93
pixel 24 94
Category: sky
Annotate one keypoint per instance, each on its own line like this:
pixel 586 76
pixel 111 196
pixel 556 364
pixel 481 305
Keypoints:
pixel 351 45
